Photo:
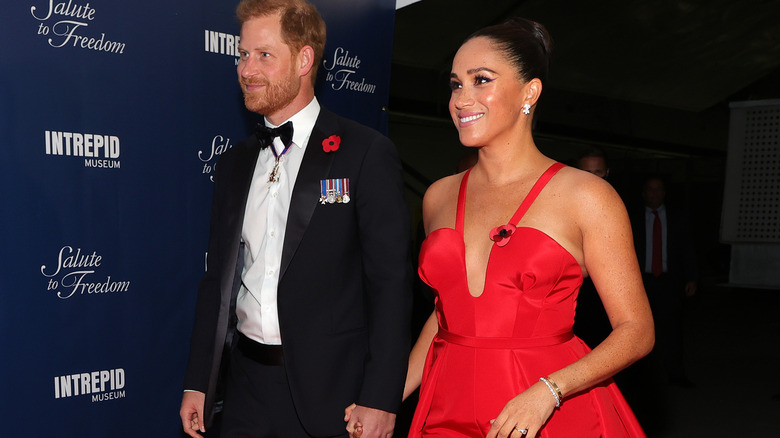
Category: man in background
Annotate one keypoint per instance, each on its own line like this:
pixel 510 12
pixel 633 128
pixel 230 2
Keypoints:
pixel 666 254
pixel 594 160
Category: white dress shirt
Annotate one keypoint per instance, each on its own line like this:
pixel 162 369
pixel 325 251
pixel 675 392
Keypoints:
pixel 265 221
pixel 649 219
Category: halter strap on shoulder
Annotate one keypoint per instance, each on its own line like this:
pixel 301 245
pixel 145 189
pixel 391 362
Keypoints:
pixel 461 209
pixel 535 190
pixel 524 206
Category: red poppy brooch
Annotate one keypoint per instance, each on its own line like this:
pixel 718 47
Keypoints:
pixel 502 234
pixel 331 143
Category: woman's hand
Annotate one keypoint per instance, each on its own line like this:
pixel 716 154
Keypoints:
pixel 525 413
pixel 355 430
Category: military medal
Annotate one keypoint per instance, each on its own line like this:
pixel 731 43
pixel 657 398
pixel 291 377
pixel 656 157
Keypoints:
pixel 334 191
pixel 345 190
pixel 265 137
pixel 323 191
pixel 337 190
pixel 274 175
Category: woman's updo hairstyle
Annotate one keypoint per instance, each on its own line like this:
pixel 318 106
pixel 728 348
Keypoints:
pixel 525 43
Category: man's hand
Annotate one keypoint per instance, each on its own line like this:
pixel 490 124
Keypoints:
pixel 191 413
pixel 690 289
pixel 367 422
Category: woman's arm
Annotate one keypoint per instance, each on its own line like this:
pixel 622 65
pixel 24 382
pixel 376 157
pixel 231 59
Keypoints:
pixel 419 353
pixel 608 255
pixel 610 259
pixel 437 203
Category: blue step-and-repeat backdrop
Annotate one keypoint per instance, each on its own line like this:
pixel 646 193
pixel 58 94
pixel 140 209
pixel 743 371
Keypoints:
pixel 112 117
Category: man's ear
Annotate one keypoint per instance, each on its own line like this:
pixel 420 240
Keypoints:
pixel 305 60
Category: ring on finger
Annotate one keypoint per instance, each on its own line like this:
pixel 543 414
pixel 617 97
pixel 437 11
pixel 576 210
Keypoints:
pixel 522 431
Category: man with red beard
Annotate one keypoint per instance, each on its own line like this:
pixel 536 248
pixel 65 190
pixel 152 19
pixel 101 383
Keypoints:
pixel 304 307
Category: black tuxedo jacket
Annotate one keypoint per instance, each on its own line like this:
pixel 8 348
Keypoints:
pixel 344 293
pixel 680 252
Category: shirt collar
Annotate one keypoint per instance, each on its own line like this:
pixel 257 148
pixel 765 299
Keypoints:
pixel 303 123
pixel 660 208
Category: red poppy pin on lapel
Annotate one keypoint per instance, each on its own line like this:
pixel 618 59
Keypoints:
pixel 331 143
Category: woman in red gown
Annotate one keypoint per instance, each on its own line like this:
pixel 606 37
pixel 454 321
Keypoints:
pixel 508 244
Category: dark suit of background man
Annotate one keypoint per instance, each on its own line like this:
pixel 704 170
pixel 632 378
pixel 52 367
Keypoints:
pixel 661 232
pixel 308 254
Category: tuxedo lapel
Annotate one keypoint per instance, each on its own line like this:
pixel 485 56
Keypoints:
pixel 243 174
pixel 241 180
pixel 237 180
pixel 306 193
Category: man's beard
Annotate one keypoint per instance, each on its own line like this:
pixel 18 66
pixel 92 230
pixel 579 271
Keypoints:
pixel 273 97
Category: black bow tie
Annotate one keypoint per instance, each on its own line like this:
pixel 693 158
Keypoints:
pixel 266 135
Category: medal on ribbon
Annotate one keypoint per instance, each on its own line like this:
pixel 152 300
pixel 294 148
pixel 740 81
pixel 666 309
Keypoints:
pixel 334 191
pixel 323 191
pixel 345 193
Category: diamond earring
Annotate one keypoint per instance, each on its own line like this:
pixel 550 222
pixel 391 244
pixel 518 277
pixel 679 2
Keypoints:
pixel 527 109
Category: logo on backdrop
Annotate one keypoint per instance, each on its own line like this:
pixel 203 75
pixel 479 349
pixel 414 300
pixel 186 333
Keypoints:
pixel 100 385
pixel 208 156
pixel 100 151
pixel 65 24
pixel 342 73
pixel 75 275
pixel 222 43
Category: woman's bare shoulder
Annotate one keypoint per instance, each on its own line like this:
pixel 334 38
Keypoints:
pixel 439 202
pixel 443 188
pixel 585 189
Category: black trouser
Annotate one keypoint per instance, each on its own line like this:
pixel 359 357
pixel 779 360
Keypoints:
pixel 258 403
pixel 666 295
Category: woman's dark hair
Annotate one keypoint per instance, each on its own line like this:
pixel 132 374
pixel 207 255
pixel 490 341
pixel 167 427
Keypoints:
pixel 525 43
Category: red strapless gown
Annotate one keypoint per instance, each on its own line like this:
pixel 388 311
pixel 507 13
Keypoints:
pixel 492 347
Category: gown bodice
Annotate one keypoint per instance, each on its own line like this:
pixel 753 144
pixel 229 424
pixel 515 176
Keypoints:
pixel 532 276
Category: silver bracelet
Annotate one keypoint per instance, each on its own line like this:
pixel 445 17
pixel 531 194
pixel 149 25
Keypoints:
pixel 552 390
